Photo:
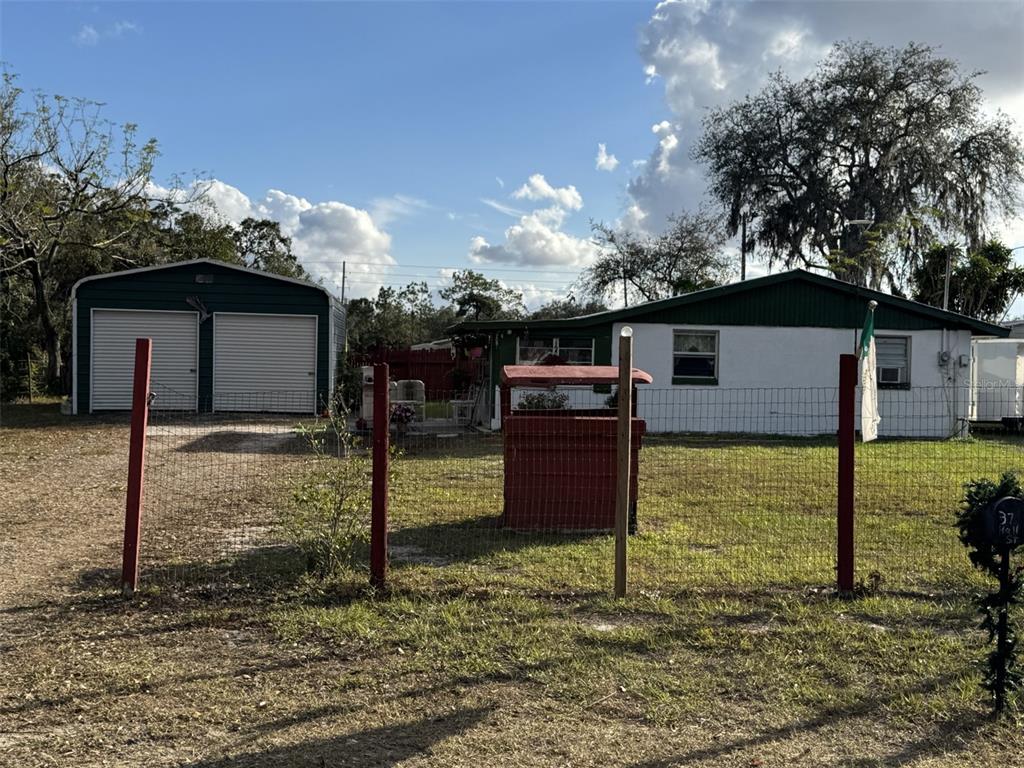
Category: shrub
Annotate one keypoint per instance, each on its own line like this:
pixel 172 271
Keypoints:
pixel 329 516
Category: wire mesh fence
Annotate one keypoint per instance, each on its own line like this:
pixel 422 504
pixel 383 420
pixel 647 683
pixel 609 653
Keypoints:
pixel 732 489
pixel 910 483
pixel 219 484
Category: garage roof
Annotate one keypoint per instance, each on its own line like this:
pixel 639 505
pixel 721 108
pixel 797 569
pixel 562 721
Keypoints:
pixel 213 262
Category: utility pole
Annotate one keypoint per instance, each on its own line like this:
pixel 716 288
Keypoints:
pixel 625 294
pixel 945 289
pixel 343 283
pixel 743 246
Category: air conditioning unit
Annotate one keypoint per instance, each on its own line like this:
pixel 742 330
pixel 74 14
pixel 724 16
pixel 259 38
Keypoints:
pixel 889 375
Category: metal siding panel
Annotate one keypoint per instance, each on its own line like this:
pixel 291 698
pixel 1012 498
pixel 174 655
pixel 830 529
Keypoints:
pixel 264 363
pixel 175 344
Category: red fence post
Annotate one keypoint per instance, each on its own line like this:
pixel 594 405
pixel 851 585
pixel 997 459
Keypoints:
pixel 847 432
pixel 136 464
pixel 381 439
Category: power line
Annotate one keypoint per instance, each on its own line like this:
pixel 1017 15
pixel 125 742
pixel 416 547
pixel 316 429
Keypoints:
pixel 366 277
pixel 473 267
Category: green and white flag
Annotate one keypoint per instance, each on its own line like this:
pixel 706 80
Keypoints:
pixel 869 417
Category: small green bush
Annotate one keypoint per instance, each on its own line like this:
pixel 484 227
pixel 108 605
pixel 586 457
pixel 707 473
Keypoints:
pixel 329 517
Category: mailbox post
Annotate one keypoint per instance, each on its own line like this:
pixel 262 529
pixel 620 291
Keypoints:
pixel 1004 530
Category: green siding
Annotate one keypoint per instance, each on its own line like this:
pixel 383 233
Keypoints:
pixel 232 290
pixel 789 304
pixel 790 299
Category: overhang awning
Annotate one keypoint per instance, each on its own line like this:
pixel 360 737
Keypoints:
pixel 553 375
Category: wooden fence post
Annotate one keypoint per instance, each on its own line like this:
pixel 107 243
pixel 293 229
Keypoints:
pixel 381 444
pixel 623 457
pixel 136 466
pixel 845 496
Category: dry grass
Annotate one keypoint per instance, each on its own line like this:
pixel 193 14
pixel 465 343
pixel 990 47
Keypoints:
pixel 282 672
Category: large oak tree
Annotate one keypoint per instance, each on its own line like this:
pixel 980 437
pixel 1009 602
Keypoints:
pixel 864 163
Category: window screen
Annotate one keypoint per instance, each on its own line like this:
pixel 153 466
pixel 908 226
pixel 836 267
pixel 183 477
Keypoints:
pixel 695 354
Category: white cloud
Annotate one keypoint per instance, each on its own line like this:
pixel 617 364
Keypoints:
pixel 501 181
pixel 123 27
pixel 668 143
pixel 537 238
pixel 604 161
pixel 508 210
pixel 87 35
pixel 538 188
pixel 708 53
pixel 385 210
pixel 323 234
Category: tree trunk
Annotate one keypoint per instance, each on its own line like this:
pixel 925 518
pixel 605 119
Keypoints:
pixel 51 339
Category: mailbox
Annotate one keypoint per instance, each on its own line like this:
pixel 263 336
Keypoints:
pixel 1004 523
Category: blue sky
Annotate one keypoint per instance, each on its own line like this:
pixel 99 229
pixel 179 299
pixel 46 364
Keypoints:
pixel 392 133
pixel 358 103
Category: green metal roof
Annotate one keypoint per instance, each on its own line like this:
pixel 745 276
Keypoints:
pixel 794 298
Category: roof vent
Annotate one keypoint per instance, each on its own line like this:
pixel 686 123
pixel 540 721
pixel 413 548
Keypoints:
pixel 204 278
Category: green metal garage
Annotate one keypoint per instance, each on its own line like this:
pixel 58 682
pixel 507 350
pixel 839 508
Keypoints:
pixel 225 338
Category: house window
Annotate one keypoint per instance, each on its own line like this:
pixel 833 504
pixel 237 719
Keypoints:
pixel 574 350
pixel 892 361
pixel 695 357
pixel 533 350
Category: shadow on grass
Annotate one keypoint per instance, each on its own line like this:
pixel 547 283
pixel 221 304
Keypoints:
pixel 388 745
pixel 233 439
pixel 439 544
pixel 47 414
pixel 944 738
pixel 735 440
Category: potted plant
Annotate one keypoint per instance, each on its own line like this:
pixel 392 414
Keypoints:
pixel 401 415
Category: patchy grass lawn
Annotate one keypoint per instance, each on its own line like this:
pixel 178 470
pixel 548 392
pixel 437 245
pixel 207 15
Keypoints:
pixel 495 648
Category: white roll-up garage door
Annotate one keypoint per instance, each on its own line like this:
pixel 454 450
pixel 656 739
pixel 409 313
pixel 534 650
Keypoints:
pixel 175 338
pixel 264 362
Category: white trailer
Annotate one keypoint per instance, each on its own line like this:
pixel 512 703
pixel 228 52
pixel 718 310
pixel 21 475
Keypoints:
pixel 997 379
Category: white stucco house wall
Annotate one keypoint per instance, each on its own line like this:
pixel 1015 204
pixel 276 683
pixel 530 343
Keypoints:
pixel 762 356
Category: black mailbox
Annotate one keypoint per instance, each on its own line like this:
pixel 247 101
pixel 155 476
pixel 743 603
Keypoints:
pixel 1005 522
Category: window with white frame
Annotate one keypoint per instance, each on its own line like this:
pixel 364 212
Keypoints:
pixel 574 350
pixel 695 357
pixel 535 349
pixel 892 360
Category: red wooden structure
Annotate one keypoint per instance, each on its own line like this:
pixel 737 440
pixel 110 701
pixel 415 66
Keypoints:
pixel 560 465
pixel 442 373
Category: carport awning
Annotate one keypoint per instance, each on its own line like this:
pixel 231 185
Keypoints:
pixel 552 375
